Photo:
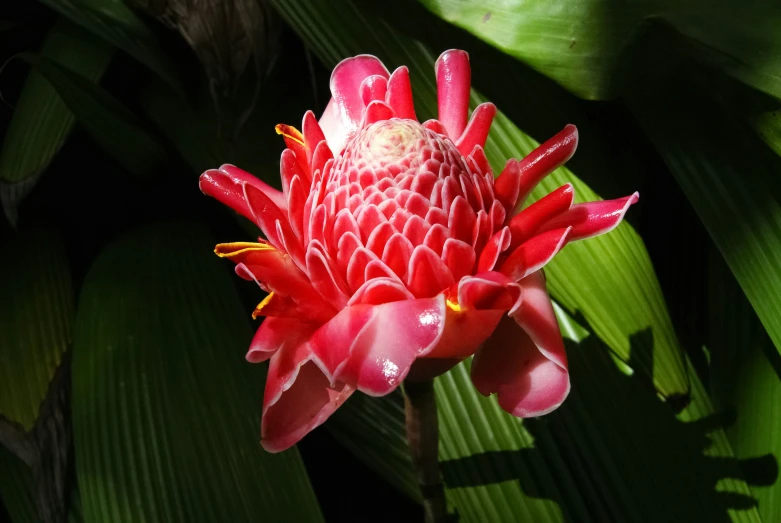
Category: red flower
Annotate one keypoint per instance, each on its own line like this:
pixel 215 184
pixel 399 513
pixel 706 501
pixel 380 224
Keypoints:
pixel 392 251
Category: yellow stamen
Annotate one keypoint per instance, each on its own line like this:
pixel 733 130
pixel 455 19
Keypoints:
pixel 288 131
pixel 228 250
pixel 258 310
pixel 453 306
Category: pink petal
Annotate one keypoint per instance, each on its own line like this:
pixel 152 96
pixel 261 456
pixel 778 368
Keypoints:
pixel 377 111
pixel 459 258
pixel 527 383
pixel 476 132
pixel 453 82
pixel 269 337
pixel 533 254
pixel 497 244
pixel 508 185
pixel 238 175
pixel 547 158
pixel 373 346
pixel 427 274
pixel 399 95
pixel 313 134
pixel 377 291
pixel 593 218
pixel 298 397
pixel 373 88
pixel 489 291
pixel 220 187
pixel 343 114
pixel 529 221
pixel 324 276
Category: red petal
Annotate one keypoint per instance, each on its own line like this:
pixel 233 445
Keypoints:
pixel 489 291
pixel 547 158
pixel 593 218
pixel 269 338
pixel 459 258
pixel 528 222
pixel 373 88
pixel 532 255
pixel 498 243
pixel 377 111
pixel 508 185
pixel 427 274
pixel 453 82
pixel 313 134
pixel 527 383
pixel 220 187
pixel 343 114
pixel 476 132
pixel 298 396
pixel 399 95
pixel 377 291
pixel 373 346
pixel 238 176
pixel 324 277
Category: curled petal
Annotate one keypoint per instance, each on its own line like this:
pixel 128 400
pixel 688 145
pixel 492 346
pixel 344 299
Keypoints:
pixel 239 175
pixel 545 159
pixel 298 397
pixel 530 221
pixel 508 185
pixel 377 111
pixel 497 244
pixel 372 347
pixel 509 364
pixel 489 291
pixel 592 219
pixel 476 132
pixel 373 88
pixel 269 337
pixel 453 81
pixel 532 255
pixel 399 95
pixel 343 114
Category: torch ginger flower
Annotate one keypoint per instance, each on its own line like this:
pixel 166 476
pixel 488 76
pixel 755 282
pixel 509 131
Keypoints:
pixel 393 253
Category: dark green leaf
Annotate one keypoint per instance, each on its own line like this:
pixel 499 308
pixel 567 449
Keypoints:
pixel 16 489
pixel 730 178
pixel 41 121
pixel 109 122
pixel 165 409
pixel 36 315
pixel 746 385
pixel 113 21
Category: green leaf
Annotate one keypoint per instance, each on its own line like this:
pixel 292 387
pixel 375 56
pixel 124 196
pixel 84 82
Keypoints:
pixel 109 122
pixel 36 316
pixel 165 409
pixel 41 122
pixel 730 178
pixel 608 280
pixel 590 46
pixel 745 382
pixel 16 489
pixel 113 21
pixel 610 453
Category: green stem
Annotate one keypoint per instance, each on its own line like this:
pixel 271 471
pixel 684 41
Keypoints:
pixel 420 408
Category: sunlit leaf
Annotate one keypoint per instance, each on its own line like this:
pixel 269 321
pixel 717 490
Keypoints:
pixel 165 412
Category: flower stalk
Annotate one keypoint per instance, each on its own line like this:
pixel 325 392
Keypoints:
pixel 420 410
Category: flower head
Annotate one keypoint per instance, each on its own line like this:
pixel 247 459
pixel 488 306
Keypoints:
pixel 392 252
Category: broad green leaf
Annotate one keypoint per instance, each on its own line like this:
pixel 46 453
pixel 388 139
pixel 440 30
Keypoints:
pixel 109 122
pixel 730 178
pixel 16 489
pixel 608 280
pixel 41 121
pixel 767 125
pixel 745 382
pixel 591 46
pixel 165 414
pixel 612 452
pixel 113 21
pixel 36 316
